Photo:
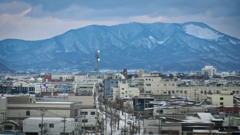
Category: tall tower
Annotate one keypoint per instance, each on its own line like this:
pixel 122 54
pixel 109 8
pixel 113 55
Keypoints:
pixel 97 61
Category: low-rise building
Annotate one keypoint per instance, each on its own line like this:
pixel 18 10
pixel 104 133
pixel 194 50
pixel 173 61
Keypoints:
pixel 124 91
pixel 49 126
pixel 225 98
pixel 9 125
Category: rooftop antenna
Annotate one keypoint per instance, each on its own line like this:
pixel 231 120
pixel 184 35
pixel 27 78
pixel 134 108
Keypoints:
pixel 97 61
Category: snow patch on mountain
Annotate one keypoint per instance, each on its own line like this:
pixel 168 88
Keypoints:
pixel 156 41
pixel 203 33
pixel 233 41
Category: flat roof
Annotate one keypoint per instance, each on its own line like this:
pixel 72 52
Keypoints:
pixel 55 102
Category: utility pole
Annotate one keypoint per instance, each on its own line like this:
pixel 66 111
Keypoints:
pixel 125 122
pixel 159 129
pixel 138 123
pixel 42 114
pixel 91 129
pixel 84 121
pixel 111 121
pixel 64 125
pixel 229 122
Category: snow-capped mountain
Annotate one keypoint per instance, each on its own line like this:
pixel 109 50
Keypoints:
pixel 157 46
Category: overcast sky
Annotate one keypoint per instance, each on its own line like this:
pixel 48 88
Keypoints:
pixel 41 19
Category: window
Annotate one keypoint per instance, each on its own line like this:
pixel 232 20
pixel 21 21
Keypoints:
pixel 84 121
pixel 84 113
pixel 237 92
pixel 221 98
pixel 76 112
pixel 185 92
pixel 40 125
pixel 148 84
pixel 92 113
pixel 221 103
pixel 8 127
pixel 51 125
pixel 27 113
pixel 122 88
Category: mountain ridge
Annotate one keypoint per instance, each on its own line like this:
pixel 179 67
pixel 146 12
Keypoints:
pixel 171 46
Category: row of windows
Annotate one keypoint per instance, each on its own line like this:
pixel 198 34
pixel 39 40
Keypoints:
pixel 163 84
pixel 82 113
pixel 202 92
pixel 86 113
pixel 49 125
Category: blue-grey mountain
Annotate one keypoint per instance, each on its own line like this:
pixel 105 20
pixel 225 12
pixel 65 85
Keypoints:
pixel 157 46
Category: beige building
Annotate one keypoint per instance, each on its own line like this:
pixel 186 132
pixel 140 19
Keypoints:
pixel 51 109
pixel 225 98
pixel 86 100
pixel 124 91
pixel 155 85
pixel 20 108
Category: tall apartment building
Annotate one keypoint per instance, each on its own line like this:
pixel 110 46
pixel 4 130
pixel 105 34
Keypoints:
pixel 210 70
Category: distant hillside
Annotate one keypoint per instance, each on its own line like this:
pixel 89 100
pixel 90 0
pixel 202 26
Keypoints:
pixel 3 68
pixel 157 46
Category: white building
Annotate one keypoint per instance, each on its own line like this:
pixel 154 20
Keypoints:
pixel 51 126
pixel 210 70
pixel 89 119
pixel 62 77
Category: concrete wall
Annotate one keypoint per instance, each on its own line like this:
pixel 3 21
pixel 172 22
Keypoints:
pixel 86 100
pixel 221 100
pixel 3 109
